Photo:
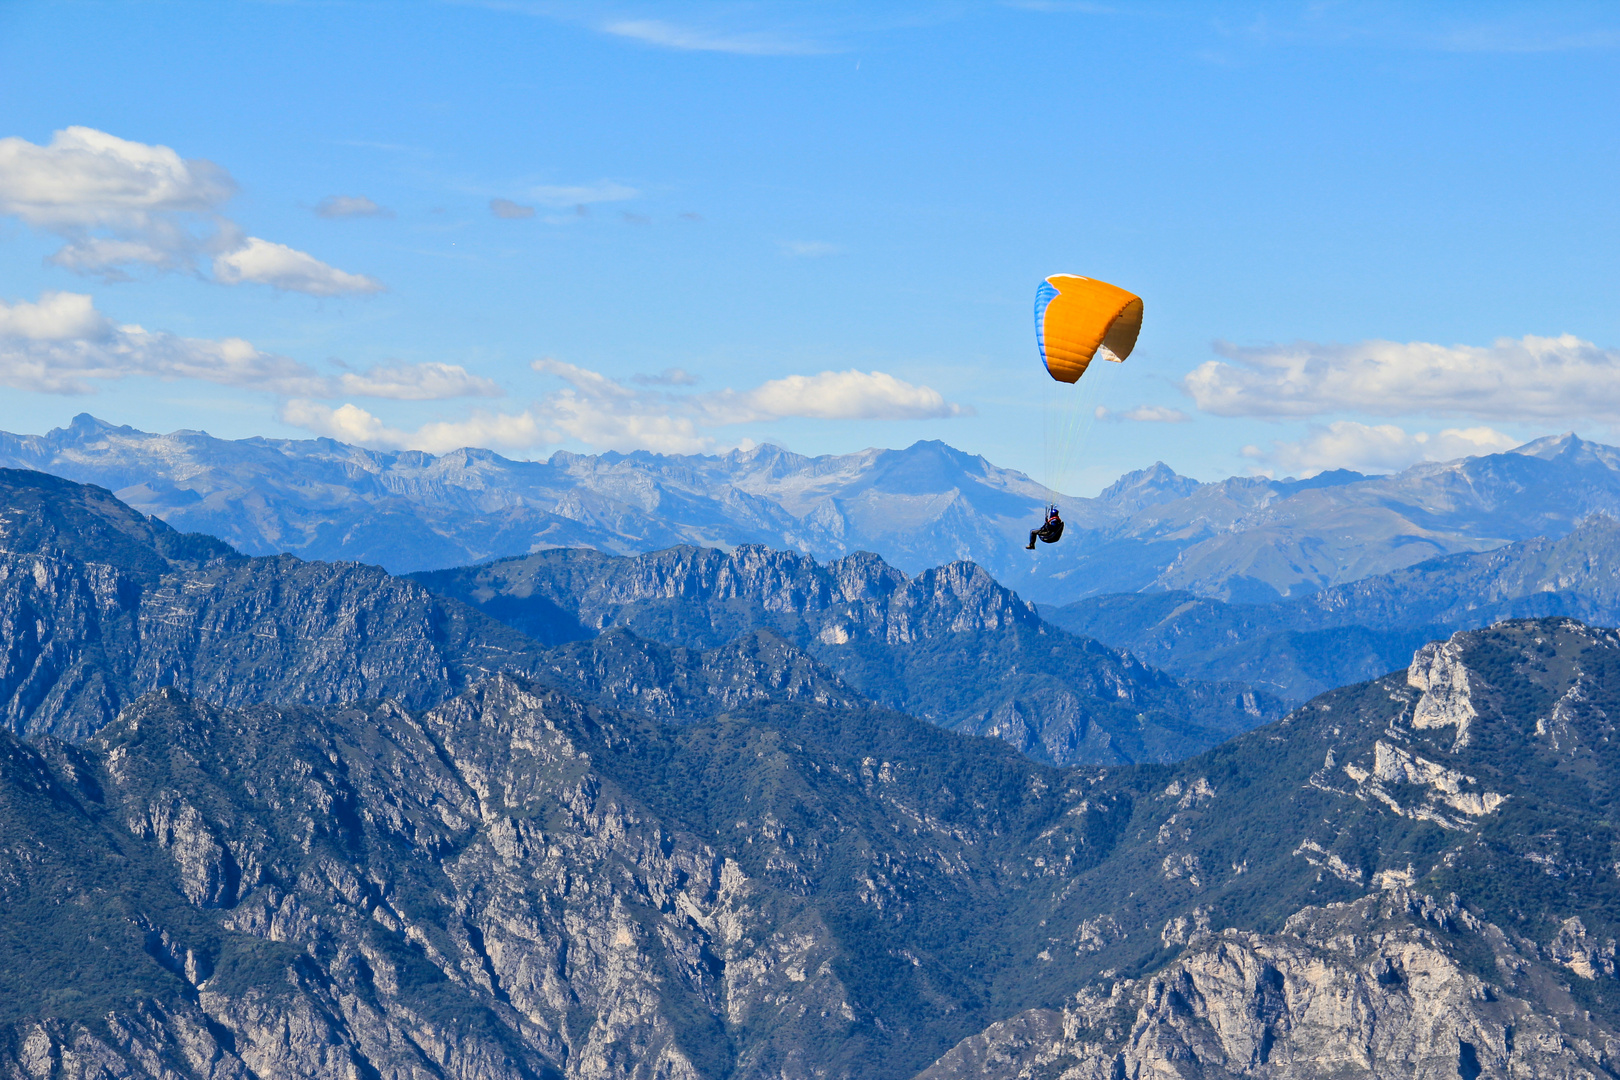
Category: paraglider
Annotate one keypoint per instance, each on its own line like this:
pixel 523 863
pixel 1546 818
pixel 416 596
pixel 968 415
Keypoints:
pixel 1051 532
pixel 1077 319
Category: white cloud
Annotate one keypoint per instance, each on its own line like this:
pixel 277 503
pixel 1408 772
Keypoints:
pixel 86 178
pixel 1552 378
pixel 347 206
pixel 63 345
pixel 509 210
pixel 58 316
pixel 118 204
pixel 670 36
pixel 351 424
pixel 1148 414
pixel 1345 444
pixel 607 414
pixel 281 267
pixel 840 395
pixel 416 382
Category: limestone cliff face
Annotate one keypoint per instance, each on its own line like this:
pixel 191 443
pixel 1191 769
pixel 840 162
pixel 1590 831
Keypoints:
pixel 1395 985
pixel 1415 877
pixel 460 894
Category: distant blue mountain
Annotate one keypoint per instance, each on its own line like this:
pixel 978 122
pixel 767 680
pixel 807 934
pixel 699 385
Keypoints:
pixel 1246 539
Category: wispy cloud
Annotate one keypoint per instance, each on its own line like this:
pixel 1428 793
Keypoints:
pixel 120 205
pixel 60 344
pixel 581 194
pixel 1147 414
pixel 349 206
pixel 1531 378
pixel 668 35
pixel 509 210
pixel 672 376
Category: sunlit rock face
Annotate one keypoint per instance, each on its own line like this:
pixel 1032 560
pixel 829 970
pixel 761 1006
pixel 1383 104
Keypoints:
pixel 1387 986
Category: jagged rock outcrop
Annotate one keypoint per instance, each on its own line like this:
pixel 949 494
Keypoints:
pixel 88 625
pixel 1314 849
pixel 515 883
pixel 1395 985
pixel 950 645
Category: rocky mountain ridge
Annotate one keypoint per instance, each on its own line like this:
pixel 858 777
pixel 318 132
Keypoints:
pixel 99 605
pixel 1457 818
pixel 1245 539
pixel 950 645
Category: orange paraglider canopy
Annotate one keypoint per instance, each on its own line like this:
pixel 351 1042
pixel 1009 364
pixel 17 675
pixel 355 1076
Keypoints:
pixel 1078 317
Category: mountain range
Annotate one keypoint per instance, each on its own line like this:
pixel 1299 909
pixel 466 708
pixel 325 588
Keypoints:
pixel 1245 539
pixel 703 813
pixel 1413 877
pixel 100 604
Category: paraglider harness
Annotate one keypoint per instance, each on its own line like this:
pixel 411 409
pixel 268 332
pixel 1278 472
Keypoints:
pixel 1048 533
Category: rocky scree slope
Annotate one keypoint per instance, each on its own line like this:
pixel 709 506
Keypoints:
pixel 1346 633
pixel 949 645
pixel 1245 539
pixel 1418 876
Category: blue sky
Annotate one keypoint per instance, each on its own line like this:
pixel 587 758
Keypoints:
pixel 1365 235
